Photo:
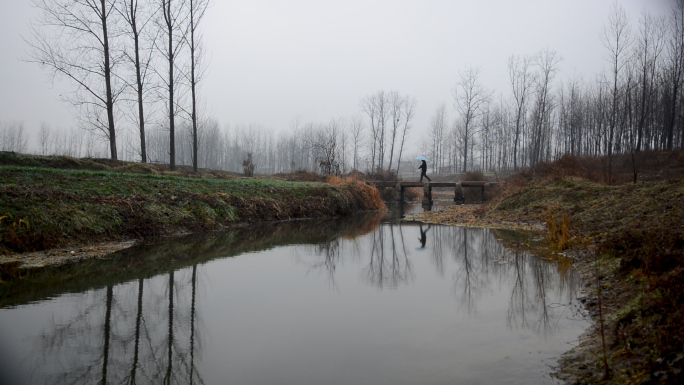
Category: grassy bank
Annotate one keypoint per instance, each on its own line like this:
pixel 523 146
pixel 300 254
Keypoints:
pixel 628 242
pixel 51 202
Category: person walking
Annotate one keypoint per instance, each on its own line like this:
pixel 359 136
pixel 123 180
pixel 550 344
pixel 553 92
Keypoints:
pixel 423 171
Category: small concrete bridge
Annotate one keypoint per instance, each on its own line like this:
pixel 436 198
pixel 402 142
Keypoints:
pixel 458 187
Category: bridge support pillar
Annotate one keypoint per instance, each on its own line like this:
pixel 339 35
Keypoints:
pixel 459 198
pixel 427 193
pixel 400 189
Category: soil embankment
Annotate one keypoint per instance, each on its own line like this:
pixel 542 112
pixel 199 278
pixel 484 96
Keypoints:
pixel 627 240
pixel 54 209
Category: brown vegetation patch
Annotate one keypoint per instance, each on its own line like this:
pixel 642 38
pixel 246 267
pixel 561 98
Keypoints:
pixel 624 168
pixel 473 176
pixel 368 197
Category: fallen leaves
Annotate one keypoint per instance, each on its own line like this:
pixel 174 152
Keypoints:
pixel 468 216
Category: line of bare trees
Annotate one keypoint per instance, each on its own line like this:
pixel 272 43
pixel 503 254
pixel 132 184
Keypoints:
pixel 390 116
pixel 155 65
pixel 635 105
pixel 135 61
pixel 338 145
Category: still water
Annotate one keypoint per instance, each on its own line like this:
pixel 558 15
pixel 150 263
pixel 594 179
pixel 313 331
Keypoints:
pixel 356 301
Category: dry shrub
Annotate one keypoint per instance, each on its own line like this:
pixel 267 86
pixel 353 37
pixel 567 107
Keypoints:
pixel 473 176
pixel 558 234
pixel 368 197
pixel 382 175
pixel 647 165
pixel 567 166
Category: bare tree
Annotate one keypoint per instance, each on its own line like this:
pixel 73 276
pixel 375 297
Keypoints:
pixel 324 142
pixel 44 138
pixel 137 17
pixel 12 137
pixel 469 96
pixel 547 62
pixel 356 128
pixel 438 126
pixel 616 37
pixel 71 38
pixel 408 108
pixel 396 103
pixel 172 21
pixel 377 109
pixel 196 10
pixel 675 70
pixel 649 47
pixel 521 82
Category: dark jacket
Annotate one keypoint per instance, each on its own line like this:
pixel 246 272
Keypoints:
pixel 423 167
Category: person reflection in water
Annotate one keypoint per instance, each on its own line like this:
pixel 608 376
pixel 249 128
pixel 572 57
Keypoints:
pixel 423 237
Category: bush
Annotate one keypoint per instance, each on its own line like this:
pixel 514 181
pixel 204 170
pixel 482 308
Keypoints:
pixel 382 175
pixel 473 176
pixel 368 196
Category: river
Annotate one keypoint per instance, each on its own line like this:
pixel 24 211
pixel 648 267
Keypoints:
pixel 361 300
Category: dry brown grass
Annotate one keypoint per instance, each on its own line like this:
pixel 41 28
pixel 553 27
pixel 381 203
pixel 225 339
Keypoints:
pixel 558 234
pixel 368 195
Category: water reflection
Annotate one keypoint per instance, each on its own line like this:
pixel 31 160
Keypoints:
pixel 423 235
pixel 197 322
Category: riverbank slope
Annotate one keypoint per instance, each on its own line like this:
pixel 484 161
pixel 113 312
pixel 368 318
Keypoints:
pixel 627 241
pixel 63 204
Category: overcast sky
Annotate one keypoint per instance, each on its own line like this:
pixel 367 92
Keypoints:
pixel 272 61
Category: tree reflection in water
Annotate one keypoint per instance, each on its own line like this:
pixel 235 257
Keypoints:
pixel 149 330
pixel 143 332
pixel 477 262
pixel 388 264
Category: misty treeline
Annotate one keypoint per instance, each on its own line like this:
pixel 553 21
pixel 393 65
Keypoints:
pixel 143 74
pixel 635 105
pixel 136 66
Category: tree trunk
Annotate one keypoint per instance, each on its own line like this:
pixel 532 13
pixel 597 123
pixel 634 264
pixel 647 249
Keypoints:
pixel 108 83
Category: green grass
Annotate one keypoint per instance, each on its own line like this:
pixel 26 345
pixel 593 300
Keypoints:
pixel 116 184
